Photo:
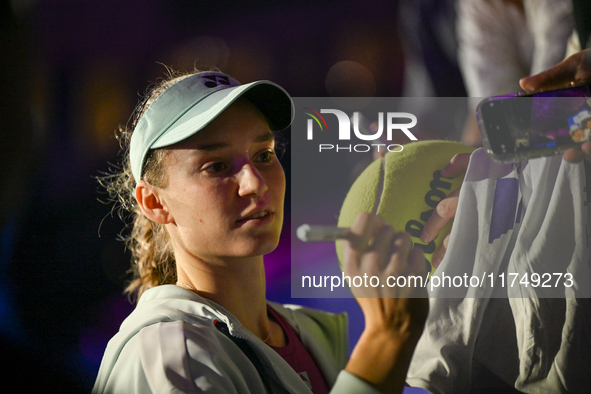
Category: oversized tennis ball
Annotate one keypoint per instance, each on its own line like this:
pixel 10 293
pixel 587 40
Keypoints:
pixel 411 186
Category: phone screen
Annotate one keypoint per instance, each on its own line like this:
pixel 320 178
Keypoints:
pixel 517 127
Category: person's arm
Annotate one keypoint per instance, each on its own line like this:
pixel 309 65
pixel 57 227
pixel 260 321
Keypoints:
pixel 394 316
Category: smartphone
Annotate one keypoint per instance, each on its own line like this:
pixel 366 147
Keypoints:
pixel 521 126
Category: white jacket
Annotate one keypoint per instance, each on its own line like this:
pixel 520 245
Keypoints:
pixel 169 344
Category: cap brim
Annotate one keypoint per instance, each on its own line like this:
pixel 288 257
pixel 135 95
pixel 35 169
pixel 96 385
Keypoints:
pixel 273 102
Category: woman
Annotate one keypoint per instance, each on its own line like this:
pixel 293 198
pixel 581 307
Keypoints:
pixel 206 191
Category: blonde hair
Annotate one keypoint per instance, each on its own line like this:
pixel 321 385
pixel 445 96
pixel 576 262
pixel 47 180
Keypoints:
pixel 152 261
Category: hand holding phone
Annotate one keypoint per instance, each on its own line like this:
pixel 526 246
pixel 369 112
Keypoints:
pixel 528 125
pixel 574 70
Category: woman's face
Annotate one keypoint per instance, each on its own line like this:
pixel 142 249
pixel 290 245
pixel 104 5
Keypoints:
pixel 225 188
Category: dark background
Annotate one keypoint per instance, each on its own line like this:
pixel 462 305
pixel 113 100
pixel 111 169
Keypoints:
pixel 71 72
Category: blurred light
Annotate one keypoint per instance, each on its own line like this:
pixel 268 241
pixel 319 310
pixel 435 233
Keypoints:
pixel 350 79
pixel 102 102
pixel 251 59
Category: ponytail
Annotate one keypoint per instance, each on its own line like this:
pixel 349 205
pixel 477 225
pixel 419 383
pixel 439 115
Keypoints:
pixel 152 262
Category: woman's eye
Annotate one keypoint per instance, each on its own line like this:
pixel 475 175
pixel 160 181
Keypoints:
pixel 266 156
pixel 216 167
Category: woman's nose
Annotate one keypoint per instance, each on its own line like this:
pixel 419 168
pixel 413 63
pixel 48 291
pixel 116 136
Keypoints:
pixel 251 181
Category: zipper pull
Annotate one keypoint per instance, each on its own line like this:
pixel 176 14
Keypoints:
pixel 223 327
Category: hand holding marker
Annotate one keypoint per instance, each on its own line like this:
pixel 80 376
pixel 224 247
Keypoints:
pixel 404 188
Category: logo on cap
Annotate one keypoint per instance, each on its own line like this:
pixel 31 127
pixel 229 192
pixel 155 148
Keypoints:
pixel 215 80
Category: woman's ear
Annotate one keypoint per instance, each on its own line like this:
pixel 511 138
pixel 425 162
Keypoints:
pixel 151 203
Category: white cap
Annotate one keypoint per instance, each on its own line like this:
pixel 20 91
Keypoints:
pixel 189 105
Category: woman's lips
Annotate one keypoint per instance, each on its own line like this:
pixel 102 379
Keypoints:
pixel 257 217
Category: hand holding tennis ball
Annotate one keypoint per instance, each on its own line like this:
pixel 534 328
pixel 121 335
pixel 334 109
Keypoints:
pixel 408 186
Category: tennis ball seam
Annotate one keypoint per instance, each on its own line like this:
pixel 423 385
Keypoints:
pixel 381 183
